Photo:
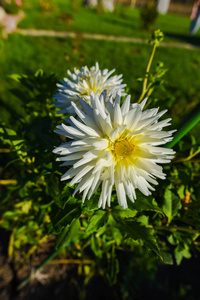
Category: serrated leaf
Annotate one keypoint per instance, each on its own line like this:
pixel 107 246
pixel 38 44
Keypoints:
pixel 68 234
pixel 145 204
pixel 98 220
pixel 64 217
pixel 65 197
pixel 89 207
pixel 172 203
pixel 136 231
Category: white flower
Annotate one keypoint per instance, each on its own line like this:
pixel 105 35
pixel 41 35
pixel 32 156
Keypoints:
pixel 114 146
pixel 84 82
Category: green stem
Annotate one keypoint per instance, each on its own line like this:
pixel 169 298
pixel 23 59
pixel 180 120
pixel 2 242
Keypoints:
pixel 26 281
pixel 144 88
pixel 192 119
pixel 175 228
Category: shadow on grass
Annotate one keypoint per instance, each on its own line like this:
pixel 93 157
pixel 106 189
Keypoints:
pixel 190 39
pixel 127 22
pixel 9 111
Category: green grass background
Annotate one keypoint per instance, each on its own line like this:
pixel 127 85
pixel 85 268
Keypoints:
pixel 24 54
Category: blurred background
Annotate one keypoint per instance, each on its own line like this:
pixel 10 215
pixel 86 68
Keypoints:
pixel 57 35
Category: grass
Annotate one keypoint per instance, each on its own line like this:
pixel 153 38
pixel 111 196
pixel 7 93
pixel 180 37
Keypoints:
pixel 57 55
pixel 123 22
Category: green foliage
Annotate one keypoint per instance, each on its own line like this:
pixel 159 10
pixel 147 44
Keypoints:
pixel 25 206
pixel 135 231
pixel 38 205
pixel 69 234
pixel 172 203
pixel 145 204
pixel 10 6
pixel 63 217
pixel 97 221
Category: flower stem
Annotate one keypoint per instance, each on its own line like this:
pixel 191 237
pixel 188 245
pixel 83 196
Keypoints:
pixel 26 281
pixel 192 119
pixel 71 261
pixel 174 228
pixel 144 88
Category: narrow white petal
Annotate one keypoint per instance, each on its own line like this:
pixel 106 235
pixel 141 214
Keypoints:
pixel 83 172
pixel 102 144
pixel 69 174
pixel 117 115
pixel 114 134
pixel 74 132
pixel 109 194
pixel 73 156
pixel 142 104
pixel 126 105
pixel 104 193
pixel 142 186
pixel 88 130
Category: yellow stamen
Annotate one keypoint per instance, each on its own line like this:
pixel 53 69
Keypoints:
pixel 122 148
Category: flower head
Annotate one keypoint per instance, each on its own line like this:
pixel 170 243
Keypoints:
pixel 116 146
pixel 84 82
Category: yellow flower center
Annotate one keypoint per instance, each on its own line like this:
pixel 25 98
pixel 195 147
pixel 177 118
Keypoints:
pixel 90 87
pixel 122 148
pixel 93 87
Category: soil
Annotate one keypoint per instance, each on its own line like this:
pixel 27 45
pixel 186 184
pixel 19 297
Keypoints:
pixel 49 282
pixel 53 282
pixel 61 281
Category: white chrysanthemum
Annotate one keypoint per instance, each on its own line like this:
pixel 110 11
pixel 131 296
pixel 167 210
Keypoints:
pixel 83 83
pixel 114 146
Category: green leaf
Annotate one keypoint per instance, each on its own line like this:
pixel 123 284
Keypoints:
pixel 118 211
pixel 89 207
pixel 167 258
pixel 145 204
pixel 180 252
pixel 171 239
pixel 172 203
pixel 115 232
pixel 136 231
pixel 95 246
pixel 39 73
pixel 9 136
pixel 65 196
pixel 15 77
pixel 64 217
pixel 69 234
pixel 98 220
pixel 143 220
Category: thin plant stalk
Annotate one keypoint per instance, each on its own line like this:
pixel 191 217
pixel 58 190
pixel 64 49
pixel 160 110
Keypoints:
pixel 144 88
